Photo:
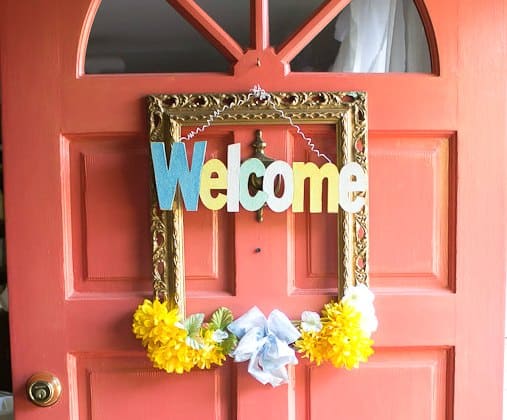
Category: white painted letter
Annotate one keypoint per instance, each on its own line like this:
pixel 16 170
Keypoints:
pixel 352 180
pixel 233 162
pixel 275 169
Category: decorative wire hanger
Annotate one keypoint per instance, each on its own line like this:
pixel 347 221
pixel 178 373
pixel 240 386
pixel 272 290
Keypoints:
pixel 258 93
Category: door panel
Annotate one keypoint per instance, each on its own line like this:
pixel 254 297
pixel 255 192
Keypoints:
pixel 412 178
pixel 211 271
pixel 125 386
pixel 418 387
pixel 315 234
pixel 106 192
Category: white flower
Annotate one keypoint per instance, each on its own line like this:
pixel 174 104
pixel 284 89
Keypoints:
pixel 310 321
pixel 369 322
pixel 361 298
pixel 359 294
pixel 219 336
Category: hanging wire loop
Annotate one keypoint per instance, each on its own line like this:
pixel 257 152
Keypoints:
pixel 257 92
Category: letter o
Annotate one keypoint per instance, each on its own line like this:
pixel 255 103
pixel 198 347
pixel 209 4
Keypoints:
pixel 283 169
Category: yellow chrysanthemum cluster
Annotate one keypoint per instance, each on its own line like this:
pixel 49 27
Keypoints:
pixel 209 353
pixel 341 340
pixel 164 338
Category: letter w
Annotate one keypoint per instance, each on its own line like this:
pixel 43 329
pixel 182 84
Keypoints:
pixel 178 172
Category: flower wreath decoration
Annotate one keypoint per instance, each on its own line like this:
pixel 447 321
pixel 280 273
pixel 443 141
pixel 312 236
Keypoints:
pixel 340 334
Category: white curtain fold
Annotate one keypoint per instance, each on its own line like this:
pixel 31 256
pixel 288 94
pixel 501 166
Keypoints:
pixel 379 36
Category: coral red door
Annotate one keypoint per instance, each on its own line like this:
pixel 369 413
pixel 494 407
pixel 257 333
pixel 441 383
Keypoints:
pixel 77 211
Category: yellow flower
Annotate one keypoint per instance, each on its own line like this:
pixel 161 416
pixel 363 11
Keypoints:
pixel 174 356
pixel 311 345
pixel 153 323
pixel 165 340
pixel 341 339
pixel 209 353
pixel 349 344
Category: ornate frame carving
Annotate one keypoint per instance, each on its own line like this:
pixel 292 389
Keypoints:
pixel 168 113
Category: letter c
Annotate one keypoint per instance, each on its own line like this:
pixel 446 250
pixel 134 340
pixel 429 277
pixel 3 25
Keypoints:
pixel 249 202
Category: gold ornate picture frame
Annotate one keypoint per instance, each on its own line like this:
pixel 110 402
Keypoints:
pixel 347 111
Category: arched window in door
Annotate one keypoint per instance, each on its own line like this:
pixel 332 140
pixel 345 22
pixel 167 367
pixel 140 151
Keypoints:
pixel 175 36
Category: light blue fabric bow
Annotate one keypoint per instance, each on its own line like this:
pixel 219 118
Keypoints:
pixel 265 342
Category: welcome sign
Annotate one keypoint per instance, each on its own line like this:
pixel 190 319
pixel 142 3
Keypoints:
pixel 246 183
pixel 206 180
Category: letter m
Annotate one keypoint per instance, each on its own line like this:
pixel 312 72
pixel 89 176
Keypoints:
pixel 178 173
pixel 308 170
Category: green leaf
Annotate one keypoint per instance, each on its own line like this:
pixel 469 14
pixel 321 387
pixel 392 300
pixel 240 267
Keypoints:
pixel 229 343
pixel 192 342
pixel 193 324
pixel 221 318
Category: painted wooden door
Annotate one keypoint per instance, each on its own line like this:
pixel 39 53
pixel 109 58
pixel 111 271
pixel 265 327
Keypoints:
pixel 77 212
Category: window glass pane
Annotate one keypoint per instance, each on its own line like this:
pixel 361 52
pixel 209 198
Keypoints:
pixel 370 36
pixel 285 17
pixel 148 36
pixel 320 54
pixel 232 15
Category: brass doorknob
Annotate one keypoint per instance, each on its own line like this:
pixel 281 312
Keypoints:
pixel 43 389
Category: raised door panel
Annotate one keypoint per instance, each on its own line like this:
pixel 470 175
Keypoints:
pixel 209 235
pixel 114 385
pixel 412 204
pixel 396 384
pixel 106 194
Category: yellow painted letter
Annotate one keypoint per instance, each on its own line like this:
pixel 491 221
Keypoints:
pixel 303 170
pixel 208 183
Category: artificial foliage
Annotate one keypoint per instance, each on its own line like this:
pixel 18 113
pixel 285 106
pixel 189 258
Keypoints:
pixel 340 335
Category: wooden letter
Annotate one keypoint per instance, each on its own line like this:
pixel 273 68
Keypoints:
pixel 166 178
pixel 352 180
pixel 208 183
pixel 303 170
pixel 249 202
pixel 275 169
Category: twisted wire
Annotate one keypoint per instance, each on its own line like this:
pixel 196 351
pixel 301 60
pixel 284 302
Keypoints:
pixel 259 93
pixel 262 94
pixel 212 117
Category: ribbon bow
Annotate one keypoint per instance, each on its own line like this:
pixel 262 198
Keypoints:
pixel 265 342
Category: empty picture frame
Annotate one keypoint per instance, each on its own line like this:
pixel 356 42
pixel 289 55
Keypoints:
pixel 168 113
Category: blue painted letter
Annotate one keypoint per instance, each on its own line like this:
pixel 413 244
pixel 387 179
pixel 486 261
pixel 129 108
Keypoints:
pixel 177 173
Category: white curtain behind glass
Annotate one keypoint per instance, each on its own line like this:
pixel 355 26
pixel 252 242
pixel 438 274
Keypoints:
pixel 380 36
